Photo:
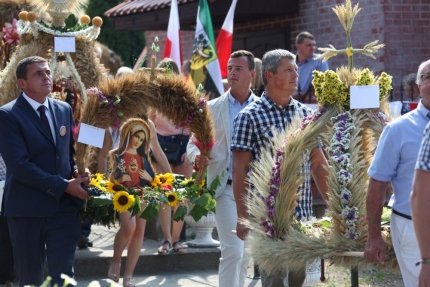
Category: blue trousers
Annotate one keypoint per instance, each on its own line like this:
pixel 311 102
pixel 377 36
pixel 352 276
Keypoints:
pixel 6 253
pixel 37 239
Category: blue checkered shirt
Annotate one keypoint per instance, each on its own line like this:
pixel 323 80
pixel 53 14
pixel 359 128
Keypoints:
pixel 423 161
pixel 2 169
pixel 253 131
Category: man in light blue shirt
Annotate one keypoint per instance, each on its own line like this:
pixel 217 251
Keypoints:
pixel 394 162
pixel 305 60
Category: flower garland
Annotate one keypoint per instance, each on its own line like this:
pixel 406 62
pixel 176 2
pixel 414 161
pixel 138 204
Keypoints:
pixel 313 117
pixel 33 27
pixel 274 181
pixel 341 157
pixel 116 122
pixel 202 105
pixel 270 200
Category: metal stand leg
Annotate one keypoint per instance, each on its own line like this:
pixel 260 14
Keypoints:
pixel 256 272
pixel 354 276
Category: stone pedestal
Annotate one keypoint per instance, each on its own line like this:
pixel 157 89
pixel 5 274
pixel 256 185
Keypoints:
pixel 313 273
pixel 203 229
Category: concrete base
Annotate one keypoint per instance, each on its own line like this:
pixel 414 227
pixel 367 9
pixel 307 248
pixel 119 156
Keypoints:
pixel 94 262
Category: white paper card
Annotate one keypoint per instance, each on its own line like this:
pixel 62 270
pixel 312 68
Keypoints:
pixel 91 135
pixel 364 97
pixel 64 44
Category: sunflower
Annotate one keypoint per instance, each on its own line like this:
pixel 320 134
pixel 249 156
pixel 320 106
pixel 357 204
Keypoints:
pixel 122 201
pixel 94 182
pixel 188 182
pixel 160 179
pixel 102 185
pixel 114 186
pixel 202 183
pixel 99 176
pixel 172 199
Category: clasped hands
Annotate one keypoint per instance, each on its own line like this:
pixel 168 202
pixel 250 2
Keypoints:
pixel 75 184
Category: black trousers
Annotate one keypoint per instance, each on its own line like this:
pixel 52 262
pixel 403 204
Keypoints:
pixel 6 253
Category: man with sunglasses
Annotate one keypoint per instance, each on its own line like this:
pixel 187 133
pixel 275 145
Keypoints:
pixel 394 161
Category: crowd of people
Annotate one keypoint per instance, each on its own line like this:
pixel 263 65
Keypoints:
pixel 43 190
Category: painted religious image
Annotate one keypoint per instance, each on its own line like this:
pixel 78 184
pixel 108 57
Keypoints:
pixel 132 165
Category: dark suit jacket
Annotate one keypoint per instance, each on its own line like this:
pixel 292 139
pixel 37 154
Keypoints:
pixel 37 169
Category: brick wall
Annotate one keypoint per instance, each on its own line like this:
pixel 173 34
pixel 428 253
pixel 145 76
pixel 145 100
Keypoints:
pixel 187 40
pixel 403 25
pixel 318 18
pixel 407 35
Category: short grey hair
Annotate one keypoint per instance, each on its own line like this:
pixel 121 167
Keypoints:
pixel 420 70
pixel 272 60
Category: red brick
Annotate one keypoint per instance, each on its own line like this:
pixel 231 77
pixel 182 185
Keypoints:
pixel 403 8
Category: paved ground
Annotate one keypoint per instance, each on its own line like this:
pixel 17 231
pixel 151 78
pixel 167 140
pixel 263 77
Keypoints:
pixel 164 270
pixel 188 279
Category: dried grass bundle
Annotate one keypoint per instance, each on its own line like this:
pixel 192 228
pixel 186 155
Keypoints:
pixel 10 9
pixel 167 93
pixel 294 248
pixel 9 88
pixel 73 6
pixel 87 64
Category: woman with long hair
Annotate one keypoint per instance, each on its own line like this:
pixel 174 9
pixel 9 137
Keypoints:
pixel 132 167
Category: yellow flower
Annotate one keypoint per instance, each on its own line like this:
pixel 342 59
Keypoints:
pixel 94 182
pixel 172 198
pixel 202 183
pixel 156 182
pixel 122 201
pixel 160 179
pixel 99 176
pixel 349 51
pixel 188 182
pixel 114 186
pixel 102 185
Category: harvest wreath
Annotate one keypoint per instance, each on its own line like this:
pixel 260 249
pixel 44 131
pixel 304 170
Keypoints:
pixel 350 137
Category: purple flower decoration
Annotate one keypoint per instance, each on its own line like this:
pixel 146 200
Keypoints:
pixel 350 215
pixel 346 196
pixel 116 122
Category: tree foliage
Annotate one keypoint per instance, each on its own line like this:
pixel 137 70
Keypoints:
pixel 126 44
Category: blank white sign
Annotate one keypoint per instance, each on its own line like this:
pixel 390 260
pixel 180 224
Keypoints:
pixel 364 97
pixel 64 44
pixel 91 135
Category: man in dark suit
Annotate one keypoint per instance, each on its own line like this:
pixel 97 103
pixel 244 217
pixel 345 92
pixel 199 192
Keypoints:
pixel 43 193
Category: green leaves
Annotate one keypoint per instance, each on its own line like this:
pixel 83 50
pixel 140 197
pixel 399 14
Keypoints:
pixel 180 213
pixel 135 208
pixel 151 210
pixel 202 206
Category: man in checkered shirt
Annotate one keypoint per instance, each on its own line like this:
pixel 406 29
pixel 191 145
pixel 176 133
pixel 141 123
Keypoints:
pixel 420 201
pixel 253 131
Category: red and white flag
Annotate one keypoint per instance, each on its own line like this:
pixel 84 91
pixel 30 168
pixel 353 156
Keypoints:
pixel 224 42
pixel 173 43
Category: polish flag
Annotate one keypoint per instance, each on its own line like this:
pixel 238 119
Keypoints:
pixel 173 44
pixel 224 41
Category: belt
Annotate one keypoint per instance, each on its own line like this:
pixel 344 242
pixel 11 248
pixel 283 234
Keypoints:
pixel 402 215
pixel 229 182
